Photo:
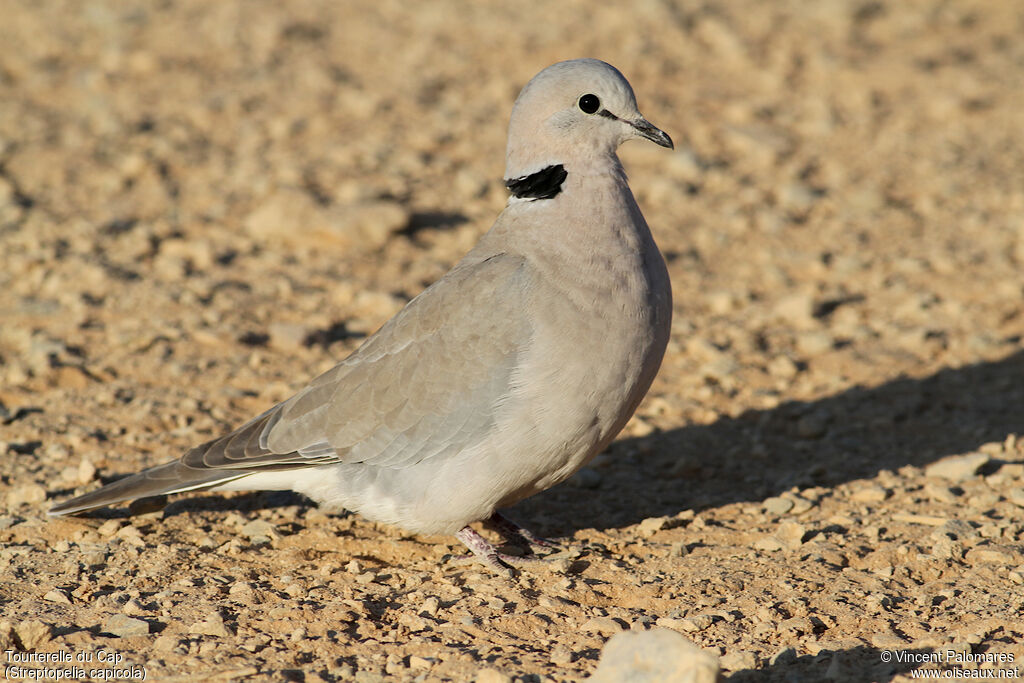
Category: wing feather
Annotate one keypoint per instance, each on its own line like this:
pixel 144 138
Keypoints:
pixel 429 381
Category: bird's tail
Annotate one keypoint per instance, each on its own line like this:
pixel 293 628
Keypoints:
pixel 173 477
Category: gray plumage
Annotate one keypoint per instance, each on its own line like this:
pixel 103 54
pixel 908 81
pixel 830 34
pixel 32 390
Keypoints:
pixel 499 380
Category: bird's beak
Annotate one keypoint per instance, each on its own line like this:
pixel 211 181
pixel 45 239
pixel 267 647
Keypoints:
pixel 645 129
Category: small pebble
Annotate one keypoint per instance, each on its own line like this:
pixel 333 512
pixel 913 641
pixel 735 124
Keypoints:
pixel 957 468
pixel 777 505
pixel 86 471
pixel 29 494
pixel 678 549
pixel 811 426
pixel 800 505
pixel 133 608
pixel 652 525
pixel 213 625
pixel 939 493
pixel 260 531
pixel 123 626
pixel 605 625
pixel 791 534
pixel 869 494
pixel 991 555
pixel 586 478
pixel 417 662
pixel 287 336
pixel 430 606
pixel 692 624
pixel 109 527
pixel 561 655
pixel 957 530
pixel 738 660
pixel 768 544
pixel 492 676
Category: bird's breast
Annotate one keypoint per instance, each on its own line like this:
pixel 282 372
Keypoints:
pixel 598 339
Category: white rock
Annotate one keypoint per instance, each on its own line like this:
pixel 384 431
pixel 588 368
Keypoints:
pixel 656 656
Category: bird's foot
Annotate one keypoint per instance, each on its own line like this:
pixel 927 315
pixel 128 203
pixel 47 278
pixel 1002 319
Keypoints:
pixel 484 552
pixel 511 531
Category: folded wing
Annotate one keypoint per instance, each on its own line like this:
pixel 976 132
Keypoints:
pixel 428 382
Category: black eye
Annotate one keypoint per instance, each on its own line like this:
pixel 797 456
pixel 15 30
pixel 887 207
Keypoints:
pixel 590 104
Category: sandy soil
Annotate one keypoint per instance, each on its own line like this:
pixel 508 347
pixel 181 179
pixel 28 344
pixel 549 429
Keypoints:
pixel 204 204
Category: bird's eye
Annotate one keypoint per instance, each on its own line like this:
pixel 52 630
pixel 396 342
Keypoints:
pixel 589 104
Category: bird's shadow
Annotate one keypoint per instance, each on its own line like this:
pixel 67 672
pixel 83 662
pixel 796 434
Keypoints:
pixel 856 665
pixel 851 435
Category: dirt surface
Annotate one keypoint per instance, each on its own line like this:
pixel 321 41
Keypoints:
pixel 205 204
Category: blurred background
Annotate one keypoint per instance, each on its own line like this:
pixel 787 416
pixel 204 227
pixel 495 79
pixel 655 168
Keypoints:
pixel 204 204
pixel 229 196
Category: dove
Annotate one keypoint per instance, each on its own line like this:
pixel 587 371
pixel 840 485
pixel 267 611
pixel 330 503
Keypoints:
pixel 501 379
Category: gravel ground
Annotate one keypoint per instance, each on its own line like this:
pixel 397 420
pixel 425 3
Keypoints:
pixel 203 205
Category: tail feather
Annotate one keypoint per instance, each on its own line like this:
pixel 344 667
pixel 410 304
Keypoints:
pixel 173 477
pixel 227 458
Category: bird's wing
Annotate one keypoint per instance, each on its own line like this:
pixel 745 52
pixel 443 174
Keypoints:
pixel 429 381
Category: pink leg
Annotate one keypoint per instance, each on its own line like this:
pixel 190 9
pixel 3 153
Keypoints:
pixel 511 531
pixel 483 550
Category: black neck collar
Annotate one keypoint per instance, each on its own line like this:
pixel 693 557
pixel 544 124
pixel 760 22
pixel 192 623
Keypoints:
pixel 544 184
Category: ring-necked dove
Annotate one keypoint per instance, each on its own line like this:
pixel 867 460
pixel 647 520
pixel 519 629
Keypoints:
pixel 502 378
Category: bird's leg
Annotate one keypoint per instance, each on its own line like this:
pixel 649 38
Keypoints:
pixel 486 552
pixel 511 531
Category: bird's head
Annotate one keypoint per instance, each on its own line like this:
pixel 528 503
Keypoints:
pixel 574 113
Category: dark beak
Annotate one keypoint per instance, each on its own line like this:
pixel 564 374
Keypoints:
pixel 655 135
